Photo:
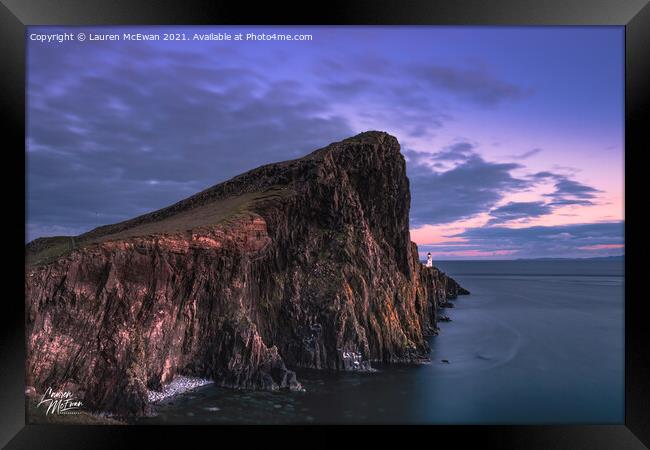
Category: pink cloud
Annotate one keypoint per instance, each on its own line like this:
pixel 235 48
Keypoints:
pixel 470 253
pixel 602 247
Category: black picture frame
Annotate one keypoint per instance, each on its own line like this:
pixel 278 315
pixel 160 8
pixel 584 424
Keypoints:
pixel 15 15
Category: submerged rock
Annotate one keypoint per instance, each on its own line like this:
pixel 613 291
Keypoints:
pixel 305 263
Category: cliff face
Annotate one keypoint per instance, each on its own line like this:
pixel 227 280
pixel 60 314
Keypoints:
pixel 306 263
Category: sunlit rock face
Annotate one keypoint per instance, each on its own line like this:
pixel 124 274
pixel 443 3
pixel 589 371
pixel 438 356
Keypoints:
pixel 300 264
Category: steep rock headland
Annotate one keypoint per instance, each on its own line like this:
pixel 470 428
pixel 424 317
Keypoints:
pixel 305 264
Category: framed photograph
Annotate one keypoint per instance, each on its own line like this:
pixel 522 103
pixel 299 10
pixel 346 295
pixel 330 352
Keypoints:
pixel 360 214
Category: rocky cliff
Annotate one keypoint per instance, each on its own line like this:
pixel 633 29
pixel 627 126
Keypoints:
pixel 300 264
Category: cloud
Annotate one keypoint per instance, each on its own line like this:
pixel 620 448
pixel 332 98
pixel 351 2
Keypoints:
pixel 475 85
pixel 110 141
pixel 566 188
pixel 603 247
pixel 348 88
pixel 544 174
pixel 467 254
pixel 527 154
pixel 565 240
pixel 519 210
pixel 471 187
pixel 116 131
pixel 456 183
pixel 415 97
pixel 457 152
pixel 567 191
pixel 460 151
pixel 387 102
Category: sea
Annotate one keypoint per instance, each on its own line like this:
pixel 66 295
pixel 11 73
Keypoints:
pixel 536 342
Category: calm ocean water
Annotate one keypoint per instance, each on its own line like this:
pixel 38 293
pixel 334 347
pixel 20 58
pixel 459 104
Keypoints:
pixel 536 342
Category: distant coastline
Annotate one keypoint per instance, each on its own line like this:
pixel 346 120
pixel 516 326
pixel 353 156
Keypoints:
pixel 594 258
pixel 557 267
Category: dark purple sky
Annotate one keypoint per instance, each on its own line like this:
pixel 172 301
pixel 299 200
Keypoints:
pixel 513 136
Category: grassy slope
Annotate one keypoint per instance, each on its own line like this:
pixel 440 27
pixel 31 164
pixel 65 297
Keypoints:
pixel 45 250
pixel 209 207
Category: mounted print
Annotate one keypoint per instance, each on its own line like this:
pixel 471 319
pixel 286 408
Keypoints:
pixel 324 225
